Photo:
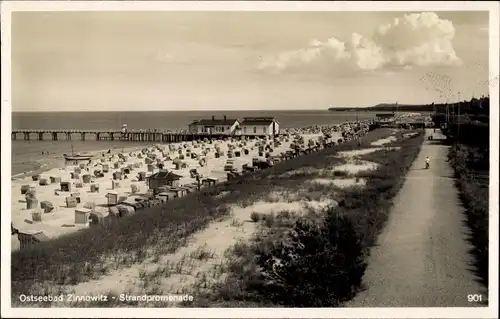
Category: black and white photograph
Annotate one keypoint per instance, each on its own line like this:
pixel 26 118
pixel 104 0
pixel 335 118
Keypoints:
pixel 255 159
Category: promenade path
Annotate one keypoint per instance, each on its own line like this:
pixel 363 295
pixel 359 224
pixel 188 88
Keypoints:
pixel 422 258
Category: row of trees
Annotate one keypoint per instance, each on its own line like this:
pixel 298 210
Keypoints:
pixel 466 122
pixel 473 107
pixel 476 106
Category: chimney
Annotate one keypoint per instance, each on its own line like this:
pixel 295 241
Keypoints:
pixel 213 117
pixel 225 117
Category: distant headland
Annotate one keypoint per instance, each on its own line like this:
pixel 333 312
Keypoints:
pixel 475 105
pixel 387 107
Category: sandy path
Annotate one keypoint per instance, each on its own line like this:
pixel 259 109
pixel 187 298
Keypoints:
pixel 422 257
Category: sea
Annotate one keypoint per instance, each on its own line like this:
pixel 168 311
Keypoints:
pixel 27 157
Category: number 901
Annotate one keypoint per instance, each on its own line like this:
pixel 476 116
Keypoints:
pixel 474 298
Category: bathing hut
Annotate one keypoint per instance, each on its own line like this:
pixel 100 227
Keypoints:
pixel 29 238
pixel 209 181
pixel 166 196
pixel 31 202
pixel 76 195
pixel 115 184
pixel 65 187
pixel 94 188
pixel 193 173
pixel 178 191
pixel 98 173
pixel 24 189
pixel 228 166
pixel 36 216
pixel 46 206
pixel 163 178
pixel 113 212
pixel 125 210
pixel 134 188
pixel 112 198
pixel 98 218
pixel 82 216
pixel 71 201
pixel 141 176
pixel 177 163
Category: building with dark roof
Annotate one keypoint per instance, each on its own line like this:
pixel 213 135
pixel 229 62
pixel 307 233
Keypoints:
pixel 163 178
pixel 221 126
pixel 259 126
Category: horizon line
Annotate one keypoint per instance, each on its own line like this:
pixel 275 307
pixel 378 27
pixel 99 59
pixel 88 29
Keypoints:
pixel 195 110
pixel 233 110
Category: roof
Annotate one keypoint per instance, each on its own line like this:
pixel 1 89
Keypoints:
pixel 165 175
pixel 258 121
pixel 214 122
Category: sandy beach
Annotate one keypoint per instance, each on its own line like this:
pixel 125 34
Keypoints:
pixel 91 190
pixel 220 236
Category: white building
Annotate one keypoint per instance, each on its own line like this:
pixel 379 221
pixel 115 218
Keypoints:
pixel 214 126
pixel 259 126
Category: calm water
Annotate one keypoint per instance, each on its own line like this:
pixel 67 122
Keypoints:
pixel 27 155
pixel 169 120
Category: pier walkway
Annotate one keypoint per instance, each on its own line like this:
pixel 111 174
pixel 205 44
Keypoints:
pixel 115 135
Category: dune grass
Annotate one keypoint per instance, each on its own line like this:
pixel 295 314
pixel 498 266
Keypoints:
pixel 315 259
pixel 92 253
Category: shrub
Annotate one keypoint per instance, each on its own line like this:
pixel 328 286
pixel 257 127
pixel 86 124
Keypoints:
pixel 255 217
pixel 471 170
pixel 268 219
pixel 316 266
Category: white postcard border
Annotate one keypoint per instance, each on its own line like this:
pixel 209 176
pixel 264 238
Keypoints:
pixel 7 7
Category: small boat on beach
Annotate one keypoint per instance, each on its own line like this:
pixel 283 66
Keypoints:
pixel 77 157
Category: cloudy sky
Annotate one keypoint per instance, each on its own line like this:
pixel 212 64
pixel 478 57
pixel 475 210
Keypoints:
pixel 244 60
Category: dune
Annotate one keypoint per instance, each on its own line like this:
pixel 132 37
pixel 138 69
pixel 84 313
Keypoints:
pixel 205 250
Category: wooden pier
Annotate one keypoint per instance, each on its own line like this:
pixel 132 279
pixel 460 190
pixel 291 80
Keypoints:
pixel 130 136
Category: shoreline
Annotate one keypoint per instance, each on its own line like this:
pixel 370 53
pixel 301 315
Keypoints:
pixel 57 162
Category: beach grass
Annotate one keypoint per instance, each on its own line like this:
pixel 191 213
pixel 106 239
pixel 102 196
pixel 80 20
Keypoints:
pixel 58 264
pixel 471 169
pixel 318 258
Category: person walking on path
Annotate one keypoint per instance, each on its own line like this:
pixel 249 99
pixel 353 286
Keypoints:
pixel 422 256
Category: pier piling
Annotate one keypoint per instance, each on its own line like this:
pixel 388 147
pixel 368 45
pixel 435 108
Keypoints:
pixel 154 136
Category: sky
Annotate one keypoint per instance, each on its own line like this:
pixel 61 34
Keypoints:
pixel 134 61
